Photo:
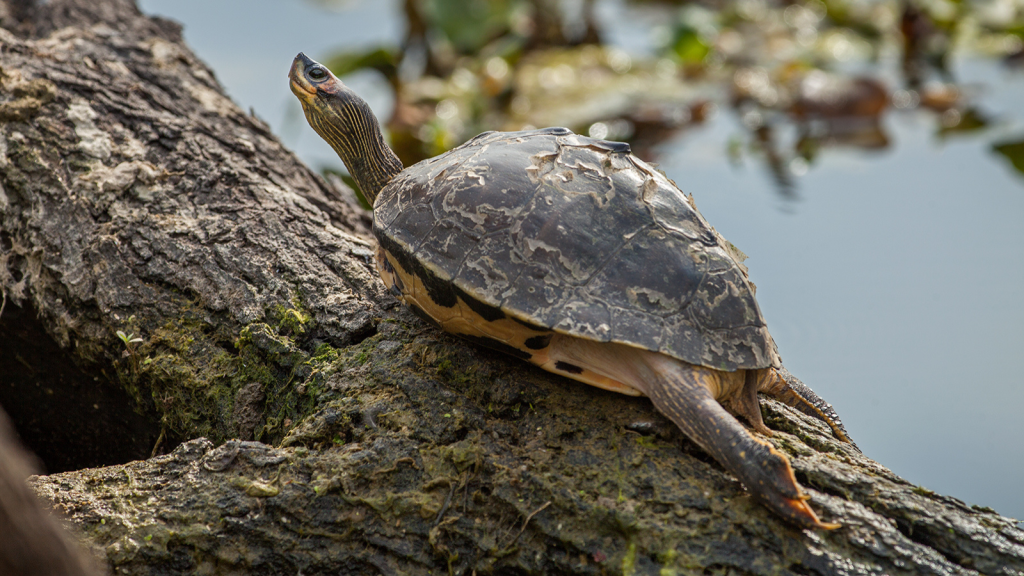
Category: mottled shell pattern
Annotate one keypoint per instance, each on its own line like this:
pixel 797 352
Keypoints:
pixel 563 232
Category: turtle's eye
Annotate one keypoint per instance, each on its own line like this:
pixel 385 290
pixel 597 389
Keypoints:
pixel 318 74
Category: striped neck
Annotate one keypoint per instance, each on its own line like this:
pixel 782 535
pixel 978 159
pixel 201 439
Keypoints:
pixel 346 122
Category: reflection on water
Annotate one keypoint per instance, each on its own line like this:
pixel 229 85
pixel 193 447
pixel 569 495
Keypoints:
pixel 867 156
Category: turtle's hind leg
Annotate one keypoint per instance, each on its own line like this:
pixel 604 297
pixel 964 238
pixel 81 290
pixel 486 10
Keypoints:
pixel 743 402
pixel 681 392
pixel 789 390
pixel 686 395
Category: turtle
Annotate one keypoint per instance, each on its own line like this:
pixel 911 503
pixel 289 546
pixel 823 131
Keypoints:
pixel 580 258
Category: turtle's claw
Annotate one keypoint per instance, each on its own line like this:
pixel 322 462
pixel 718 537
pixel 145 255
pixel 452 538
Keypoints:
pixel 768 475
pixel 795 510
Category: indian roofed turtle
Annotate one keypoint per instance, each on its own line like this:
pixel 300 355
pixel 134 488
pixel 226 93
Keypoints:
pixel 576 256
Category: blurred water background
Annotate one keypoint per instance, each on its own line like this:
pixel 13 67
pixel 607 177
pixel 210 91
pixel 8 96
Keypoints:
pixel 868 156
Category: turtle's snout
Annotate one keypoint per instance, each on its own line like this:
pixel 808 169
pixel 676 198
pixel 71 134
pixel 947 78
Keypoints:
pixel 299 65
pixel 296 68
pixel 297 74
pixel 305 60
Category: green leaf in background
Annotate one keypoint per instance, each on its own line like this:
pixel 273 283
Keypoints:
pixel 688 46
pixel 1012 151
pixel 954 122
pixel 470 24
pixel 383 59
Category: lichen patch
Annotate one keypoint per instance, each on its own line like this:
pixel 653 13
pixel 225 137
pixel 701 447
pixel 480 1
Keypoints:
pixel 91 140
pixel 211 100
pixel 122 176
pixel 118 68
pixel 164 52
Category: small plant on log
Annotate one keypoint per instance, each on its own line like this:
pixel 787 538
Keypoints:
pixel 131 344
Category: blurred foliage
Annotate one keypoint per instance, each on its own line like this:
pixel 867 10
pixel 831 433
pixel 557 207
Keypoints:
pixel 469 25
pixel 802 76
pixel 1014 152
pixel 687 45
pixel 383 60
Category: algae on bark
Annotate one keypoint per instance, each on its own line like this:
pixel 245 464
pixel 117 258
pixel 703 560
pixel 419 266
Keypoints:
pixel 437 457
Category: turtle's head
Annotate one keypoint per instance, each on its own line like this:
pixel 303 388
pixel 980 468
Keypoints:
pixel 316 86
pixel 346 122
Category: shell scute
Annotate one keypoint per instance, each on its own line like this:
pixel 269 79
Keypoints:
pixel 673 212
pixel 634 325
pixel 648 274
pixel 683 338
pixel 447 244
pixel 482 197
pixel 413 191
pixel 725 301
pixel 572 235
pixel 735 346
pixel 589 319
pixel 537 294
pixel 491 267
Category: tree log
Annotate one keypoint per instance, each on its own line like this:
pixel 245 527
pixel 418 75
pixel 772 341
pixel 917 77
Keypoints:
pixel 329 430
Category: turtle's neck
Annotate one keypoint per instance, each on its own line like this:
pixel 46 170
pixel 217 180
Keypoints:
pixel 346 122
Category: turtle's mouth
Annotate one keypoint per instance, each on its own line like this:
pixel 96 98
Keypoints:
pixel 298 83
pixel 305 93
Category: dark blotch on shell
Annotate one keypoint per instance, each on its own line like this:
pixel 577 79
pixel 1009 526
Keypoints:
pixel 440 291
pixel 538 342
pixel 486 311
pixel 498 345
pixel 568 368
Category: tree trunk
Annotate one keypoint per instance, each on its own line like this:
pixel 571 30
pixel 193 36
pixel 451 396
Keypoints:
pixel 136 198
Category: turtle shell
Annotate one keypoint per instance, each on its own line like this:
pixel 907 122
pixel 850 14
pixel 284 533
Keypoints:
pixel 566 233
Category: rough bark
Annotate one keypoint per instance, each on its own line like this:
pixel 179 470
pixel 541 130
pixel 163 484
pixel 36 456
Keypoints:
pixel 346 436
